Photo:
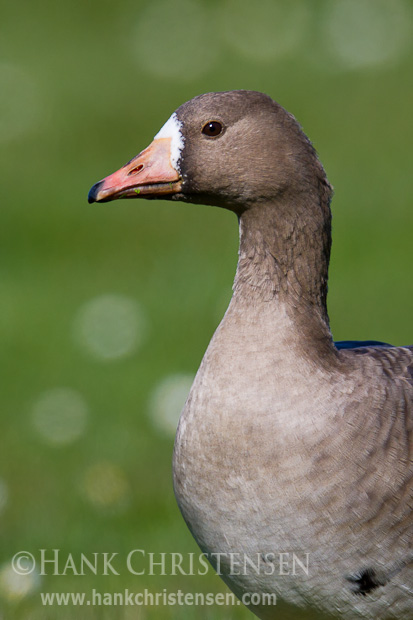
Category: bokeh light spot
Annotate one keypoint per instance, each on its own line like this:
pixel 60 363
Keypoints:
pixel 167 401
pixel 175 40
pixel 106 486
pixel 60 416
pixel 19 102
pixel 365 33
pixel 264 30
pixel 14 587
pixel 110 326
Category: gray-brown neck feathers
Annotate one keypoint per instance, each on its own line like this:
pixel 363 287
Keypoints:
pixel 285 248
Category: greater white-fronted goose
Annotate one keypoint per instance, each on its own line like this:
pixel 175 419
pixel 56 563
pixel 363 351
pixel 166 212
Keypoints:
pixel 288 443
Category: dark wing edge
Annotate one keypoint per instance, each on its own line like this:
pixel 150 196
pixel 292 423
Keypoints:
pixel 355 344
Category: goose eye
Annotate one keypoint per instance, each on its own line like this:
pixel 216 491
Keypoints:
pixel 212 129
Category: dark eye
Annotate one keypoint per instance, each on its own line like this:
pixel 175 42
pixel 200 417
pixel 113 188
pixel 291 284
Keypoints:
pixel 212 129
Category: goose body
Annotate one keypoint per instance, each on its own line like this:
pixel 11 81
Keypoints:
pixel 293 460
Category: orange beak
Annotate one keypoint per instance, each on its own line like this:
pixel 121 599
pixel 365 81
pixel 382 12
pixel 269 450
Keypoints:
pixel 149 174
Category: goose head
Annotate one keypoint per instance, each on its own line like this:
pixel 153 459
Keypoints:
pixel 230 149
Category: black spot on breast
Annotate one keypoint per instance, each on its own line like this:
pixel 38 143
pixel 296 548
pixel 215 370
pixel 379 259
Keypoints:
pixel 365 581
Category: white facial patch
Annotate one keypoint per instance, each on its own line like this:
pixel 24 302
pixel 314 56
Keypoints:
pixel 172 130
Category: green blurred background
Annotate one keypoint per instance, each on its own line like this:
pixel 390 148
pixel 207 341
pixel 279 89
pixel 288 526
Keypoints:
pixel 106 310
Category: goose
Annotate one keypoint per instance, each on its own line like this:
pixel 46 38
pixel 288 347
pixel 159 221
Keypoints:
pixel 292 462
